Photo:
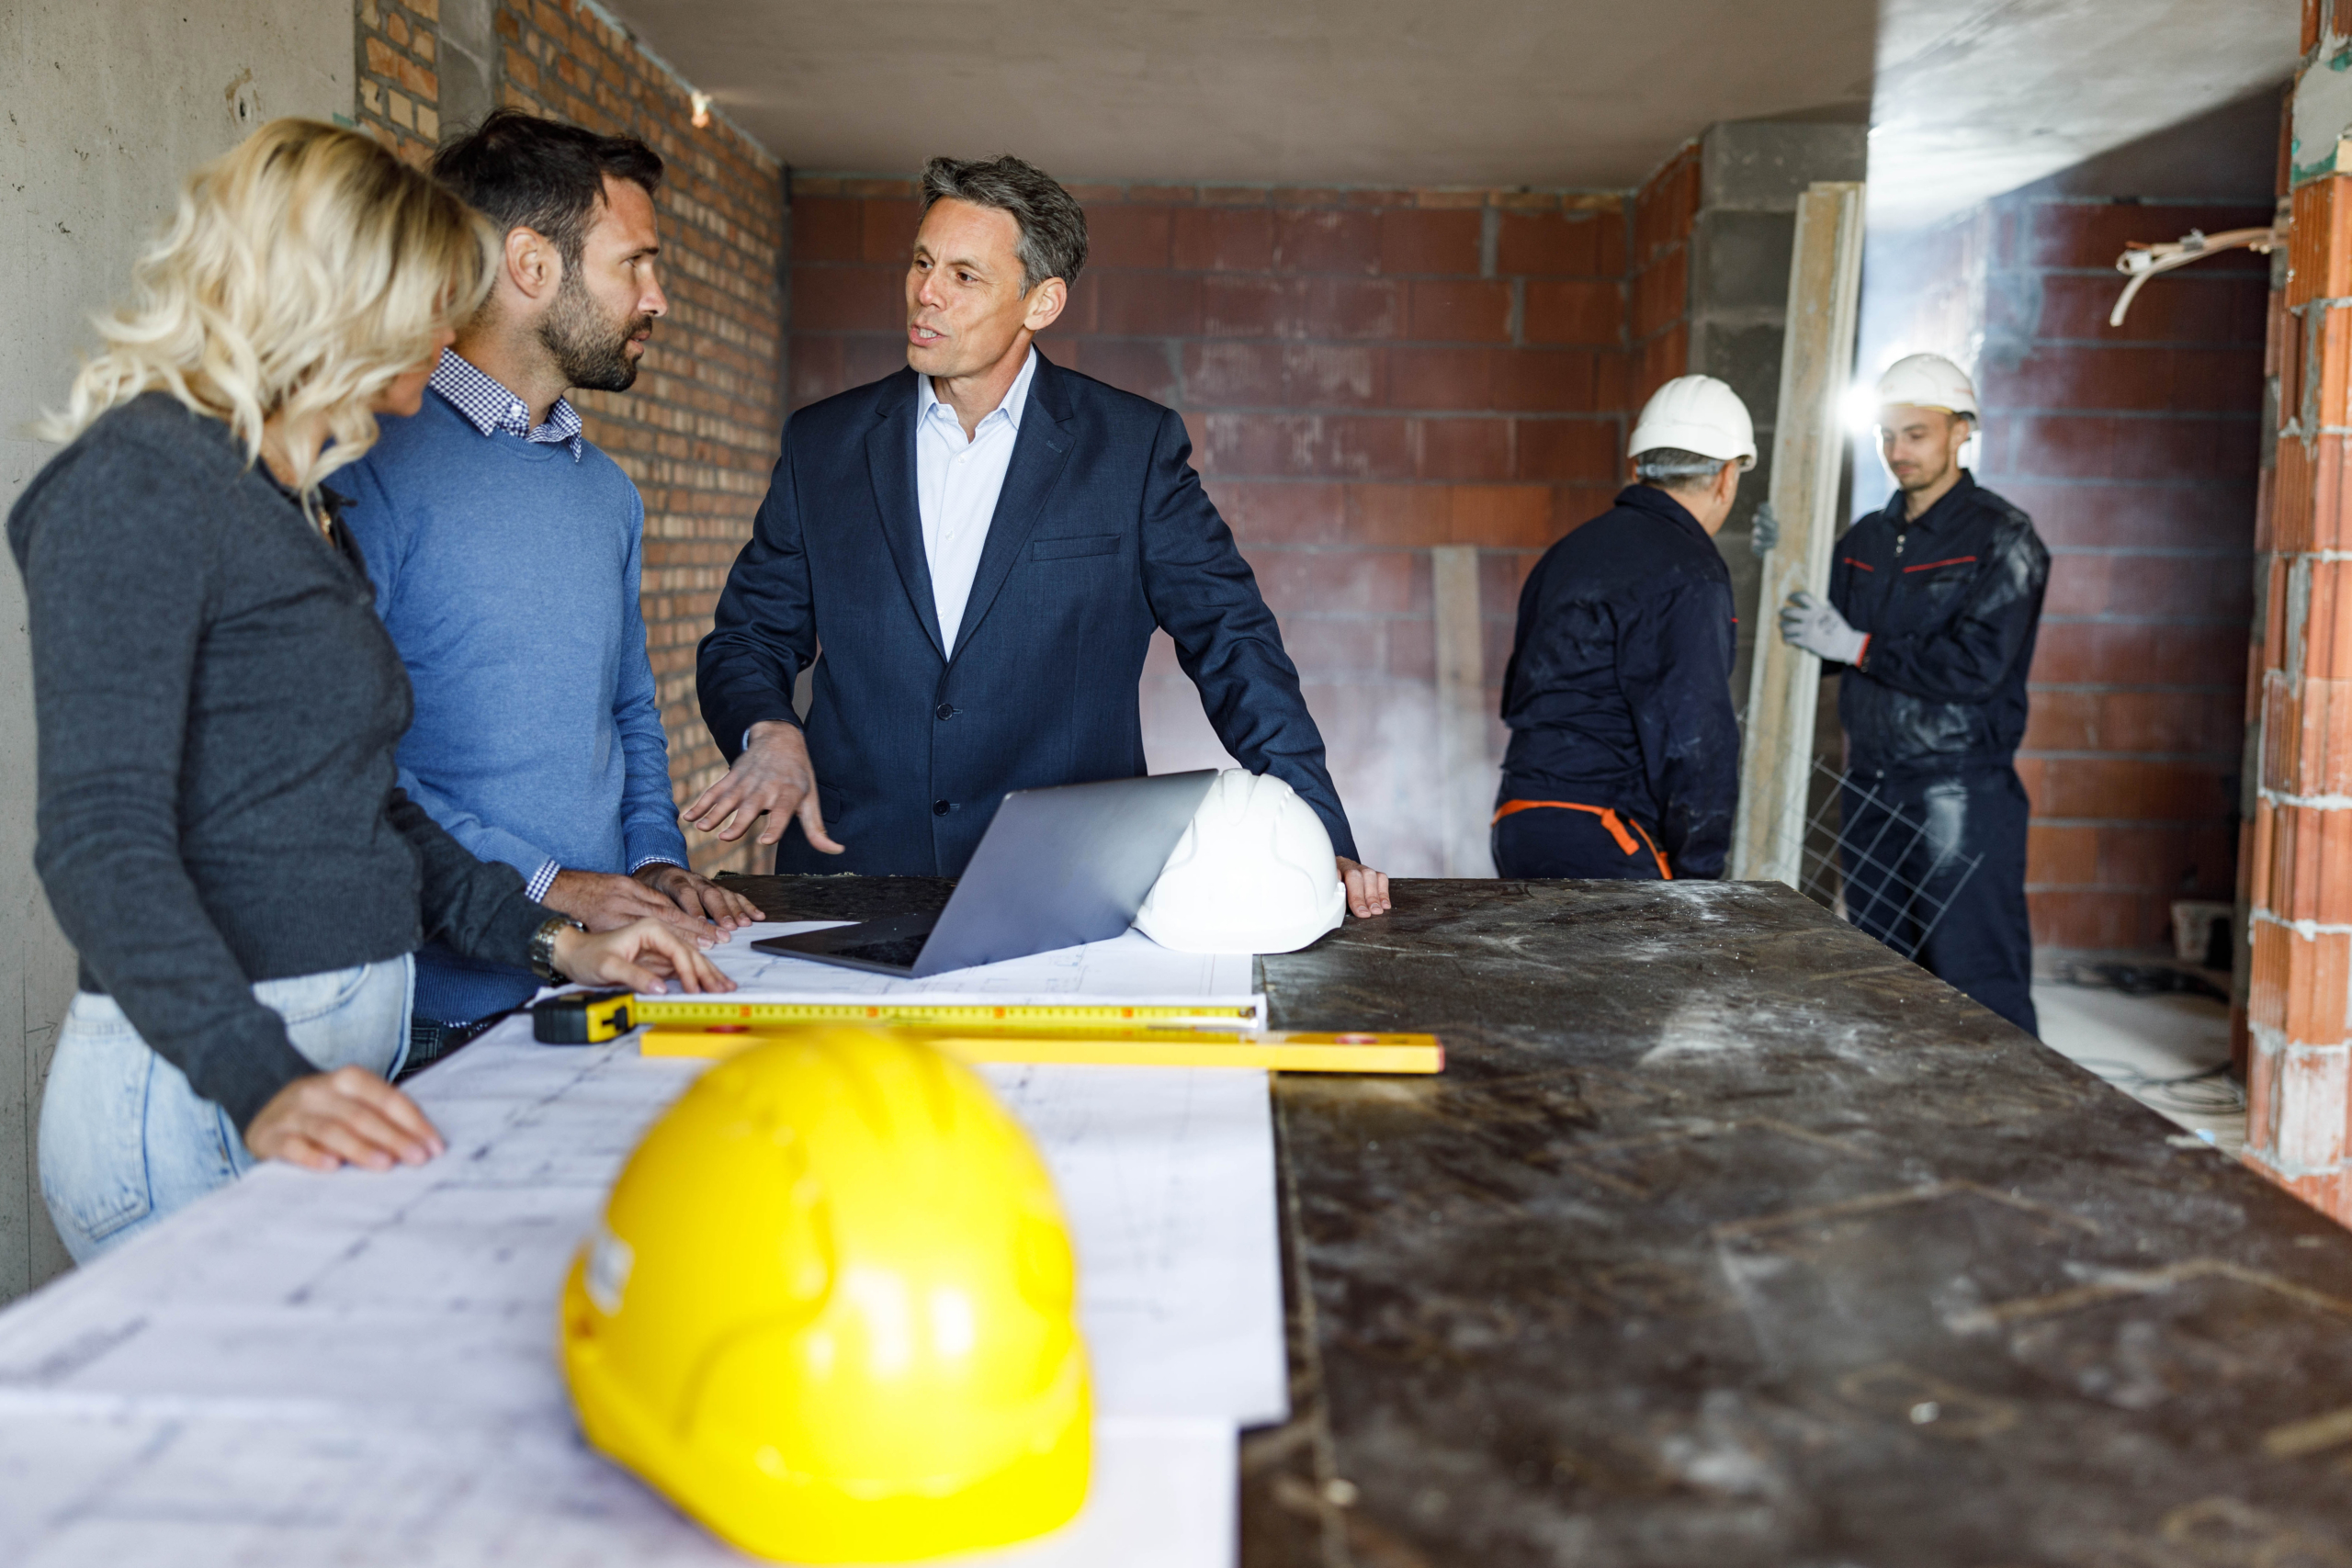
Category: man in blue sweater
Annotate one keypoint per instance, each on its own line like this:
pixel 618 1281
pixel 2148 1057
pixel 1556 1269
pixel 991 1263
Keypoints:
pixel 505 553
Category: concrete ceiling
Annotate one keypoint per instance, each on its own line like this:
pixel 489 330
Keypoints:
pixel 1976 97
pixel 1967 98
pixel 1576 93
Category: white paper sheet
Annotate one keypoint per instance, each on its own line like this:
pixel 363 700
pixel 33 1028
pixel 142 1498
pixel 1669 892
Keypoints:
pixel 1167 1175
pixel 407 1318
pixel 129 1486
pixel 1130 968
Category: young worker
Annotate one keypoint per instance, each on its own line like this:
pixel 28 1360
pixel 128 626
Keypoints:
pixel 505 550
pixel 1933 604
pixel 1625 754
pixel 982 544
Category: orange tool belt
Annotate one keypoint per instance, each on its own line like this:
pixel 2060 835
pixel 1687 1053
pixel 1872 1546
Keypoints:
pixel 1608 819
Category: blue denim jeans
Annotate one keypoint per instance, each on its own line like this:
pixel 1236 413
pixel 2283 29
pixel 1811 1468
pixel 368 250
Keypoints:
pixel 124 1140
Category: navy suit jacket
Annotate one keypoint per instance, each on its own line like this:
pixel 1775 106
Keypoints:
pixel 1101 534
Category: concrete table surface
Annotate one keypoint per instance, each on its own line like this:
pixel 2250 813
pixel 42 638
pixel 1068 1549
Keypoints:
pixel 1728 1238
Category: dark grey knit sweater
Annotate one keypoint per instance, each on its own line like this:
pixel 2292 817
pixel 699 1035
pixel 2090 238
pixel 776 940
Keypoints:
pixel 219 708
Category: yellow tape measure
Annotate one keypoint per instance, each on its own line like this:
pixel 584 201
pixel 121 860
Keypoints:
pixel 1280 1050
pixel 589 1018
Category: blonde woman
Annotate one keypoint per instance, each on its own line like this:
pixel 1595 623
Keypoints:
pixel 220 833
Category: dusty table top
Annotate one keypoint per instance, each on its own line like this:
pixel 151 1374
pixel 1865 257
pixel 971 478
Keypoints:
pixel 1730 1239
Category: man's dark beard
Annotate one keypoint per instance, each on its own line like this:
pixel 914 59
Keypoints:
pixel 588 348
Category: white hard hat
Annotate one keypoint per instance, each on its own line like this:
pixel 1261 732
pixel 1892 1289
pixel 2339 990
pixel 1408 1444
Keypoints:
pixel 1696 413
pixel 1927 381
pixel 1253 873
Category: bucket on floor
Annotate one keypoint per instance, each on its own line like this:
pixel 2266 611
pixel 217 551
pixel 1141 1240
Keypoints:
pixel 2202 932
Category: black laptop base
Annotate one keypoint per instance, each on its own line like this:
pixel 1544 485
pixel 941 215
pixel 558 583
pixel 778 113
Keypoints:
pixel 879 947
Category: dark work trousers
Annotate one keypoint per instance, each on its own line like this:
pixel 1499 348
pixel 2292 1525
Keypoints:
pixel 1548 841
pixel 1906 843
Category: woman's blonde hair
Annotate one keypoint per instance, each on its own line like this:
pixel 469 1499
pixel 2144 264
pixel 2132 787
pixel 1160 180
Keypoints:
pixel 306 271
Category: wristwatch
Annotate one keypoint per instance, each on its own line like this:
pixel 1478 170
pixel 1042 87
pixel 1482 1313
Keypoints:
pixel 543 949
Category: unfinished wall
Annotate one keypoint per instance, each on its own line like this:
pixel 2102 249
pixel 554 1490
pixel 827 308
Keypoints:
pixel 109 104
pixel 1367 374
pixel 2136 450
pixel 1665 210
pixel 1734 321
pixel 698 432
pixel 2296 1048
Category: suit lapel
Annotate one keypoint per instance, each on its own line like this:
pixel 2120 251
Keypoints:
pixel 890 458
pixel 1038 454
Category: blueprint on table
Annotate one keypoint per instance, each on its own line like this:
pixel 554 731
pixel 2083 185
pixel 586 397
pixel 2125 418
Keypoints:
pixel 354 1361
pixel 1130 968
pixel 136 1486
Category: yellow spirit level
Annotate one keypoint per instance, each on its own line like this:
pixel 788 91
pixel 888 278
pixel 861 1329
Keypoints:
pixel 1276 1049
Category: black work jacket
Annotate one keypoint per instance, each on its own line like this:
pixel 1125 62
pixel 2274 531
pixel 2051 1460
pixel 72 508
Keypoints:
pixel 1619 689
pixel 1951 601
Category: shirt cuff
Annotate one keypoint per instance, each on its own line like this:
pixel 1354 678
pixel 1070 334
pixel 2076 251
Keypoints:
pixel 541 880
pixel 643 861
pixel 1864 651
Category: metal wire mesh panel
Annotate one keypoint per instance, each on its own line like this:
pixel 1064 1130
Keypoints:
pixel 1880 865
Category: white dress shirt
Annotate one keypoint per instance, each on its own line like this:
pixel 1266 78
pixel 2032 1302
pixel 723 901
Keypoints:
pixel 957 484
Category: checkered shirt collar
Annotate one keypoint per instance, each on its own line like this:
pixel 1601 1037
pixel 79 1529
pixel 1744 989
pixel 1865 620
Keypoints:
pixel 489 407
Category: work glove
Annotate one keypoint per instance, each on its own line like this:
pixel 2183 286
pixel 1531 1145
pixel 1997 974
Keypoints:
pixel 1815 625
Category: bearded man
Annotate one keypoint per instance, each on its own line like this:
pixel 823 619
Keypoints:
pixel 1933 607
pixel 504 549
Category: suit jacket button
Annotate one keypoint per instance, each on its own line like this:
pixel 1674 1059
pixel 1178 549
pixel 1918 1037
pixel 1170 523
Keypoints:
pixel 939 808
pixel 944 710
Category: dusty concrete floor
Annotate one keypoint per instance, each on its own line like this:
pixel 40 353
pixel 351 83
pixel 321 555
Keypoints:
pixel 2170 1051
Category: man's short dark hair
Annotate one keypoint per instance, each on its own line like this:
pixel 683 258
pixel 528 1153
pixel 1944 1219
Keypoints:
pixel 1670 468
pixel 1053 226
pixel 542 175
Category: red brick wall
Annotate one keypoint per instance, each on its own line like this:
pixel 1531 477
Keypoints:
pixel 1364 373
pixel 698 432
pixel 400 85
pixel 1665 210
pixel 2137 451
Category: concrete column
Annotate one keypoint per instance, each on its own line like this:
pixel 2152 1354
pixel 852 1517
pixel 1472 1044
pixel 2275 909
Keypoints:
pixel 1751 174
pixel 110 103
pixel 469 62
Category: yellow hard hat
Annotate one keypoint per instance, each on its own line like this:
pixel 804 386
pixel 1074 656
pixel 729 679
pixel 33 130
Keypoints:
pixel 830 1310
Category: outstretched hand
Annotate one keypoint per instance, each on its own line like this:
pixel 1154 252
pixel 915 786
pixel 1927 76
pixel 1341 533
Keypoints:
pixel 773 776
pixel 349 1116
pixel 696 895
pixel 605 901
pixel 1812 623
pixel 644 955
pixel 1367 888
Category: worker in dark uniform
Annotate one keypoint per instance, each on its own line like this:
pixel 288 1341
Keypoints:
pixel 1624 752
pixel 1933 604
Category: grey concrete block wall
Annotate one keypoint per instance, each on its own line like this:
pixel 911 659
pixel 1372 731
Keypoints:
pixel 107 105
pixel 1751 174
pixel 469 65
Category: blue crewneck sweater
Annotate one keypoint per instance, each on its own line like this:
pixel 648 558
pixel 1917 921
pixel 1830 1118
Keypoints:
pixel 507 574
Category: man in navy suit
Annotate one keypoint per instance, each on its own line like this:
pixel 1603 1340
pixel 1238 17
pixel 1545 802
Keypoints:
pixel 981 545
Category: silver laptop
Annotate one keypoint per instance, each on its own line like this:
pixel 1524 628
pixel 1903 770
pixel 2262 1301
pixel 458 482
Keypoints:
pixel 1056 867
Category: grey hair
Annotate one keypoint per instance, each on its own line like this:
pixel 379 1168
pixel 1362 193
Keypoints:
pixel 1670 468
pixel 1053 226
